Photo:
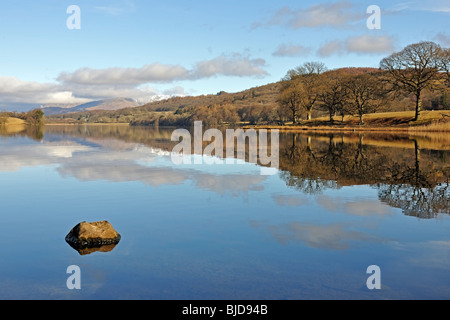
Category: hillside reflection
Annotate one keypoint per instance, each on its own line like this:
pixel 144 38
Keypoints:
pixel 410 173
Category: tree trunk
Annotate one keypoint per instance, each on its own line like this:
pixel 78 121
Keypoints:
pixel 417 154
pixel 361 120
pixel 309 116
pixel 308 144
pixel 418 105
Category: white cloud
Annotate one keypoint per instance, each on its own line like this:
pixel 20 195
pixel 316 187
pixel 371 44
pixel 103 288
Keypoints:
pixel 365 44
pixel 330 48
pixel 87 84
pixel 235 65
pixel 370 44
pixel 154 73
pixel 337 14
pixel 291 51
pixel 14 90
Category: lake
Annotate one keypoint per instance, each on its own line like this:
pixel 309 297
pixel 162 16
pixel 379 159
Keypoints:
pixel 338 204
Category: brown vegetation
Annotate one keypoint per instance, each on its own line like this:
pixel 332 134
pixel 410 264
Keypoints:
pixel 415 79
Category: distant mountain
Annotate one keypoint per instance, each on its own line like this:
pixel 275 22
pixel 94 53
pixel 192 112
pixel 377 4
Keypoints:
pixel 109 104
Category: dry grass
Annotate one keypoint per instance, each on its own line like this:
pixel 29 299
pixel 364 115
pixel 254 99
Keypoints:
pixel 434 121
pixel 12 125
pixel 14 121
pixel 436 126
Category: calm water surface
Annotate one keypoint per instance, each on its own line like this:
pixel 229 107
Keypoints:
pixel 337 205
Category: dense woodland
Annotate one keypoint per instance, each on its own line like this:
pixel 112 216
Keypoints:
pixel 414 79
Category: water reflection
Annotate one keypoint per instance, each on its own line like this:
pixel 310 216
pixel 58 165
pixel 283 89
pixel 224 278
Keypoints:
pixel 33 132
pixel 227 232
pixel 408 176
pixel 411 173
pixel 90 250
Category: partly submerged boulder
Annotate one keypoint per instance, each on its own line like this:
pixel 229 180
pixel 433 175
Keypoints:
pixel 92 235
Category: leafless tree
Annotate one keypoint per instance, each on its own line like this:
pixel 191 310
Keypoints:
pixel 365 93
pixel 414 68
pixel 308 81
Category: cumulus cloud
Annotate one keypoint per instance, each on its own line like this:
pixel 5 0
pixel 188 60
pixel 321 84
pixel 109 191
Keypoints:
pixel 154 73
pixel 330 48
pixel 235 65
pixel 370 44
pixel 337 14
pixel 285 50
pixel 15 90
pixel 87 84
pixel 365 44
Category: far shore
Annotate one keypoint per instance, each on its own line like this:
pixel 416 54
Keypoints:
pixel 86 124
pixel 392 122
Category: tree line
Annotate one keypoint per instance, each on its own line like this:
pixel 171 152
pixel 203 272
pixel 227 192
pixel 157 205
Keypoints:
pixel 415 78
pixel 418 67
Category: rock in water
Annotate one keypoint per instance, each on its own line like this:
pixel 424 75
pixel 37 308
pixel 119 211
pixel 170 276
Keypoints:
pixel 93 235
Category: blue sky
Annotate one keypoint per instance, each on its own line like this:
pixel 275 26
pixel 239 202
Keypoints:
pixel 139 49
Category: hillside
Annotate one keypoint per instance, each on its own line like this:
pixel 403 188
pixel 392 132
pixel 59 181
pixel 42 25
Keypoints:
pixel 258 105
pixel 258 97
pixel 265 95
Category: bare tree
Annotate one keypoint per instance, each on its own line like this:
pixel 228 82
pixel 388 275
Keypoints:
pixel 414 68
pixel 364 93
pixel 444 62
pixel 308 81
pixel 333 94
pixel 290 97
pixel 311 68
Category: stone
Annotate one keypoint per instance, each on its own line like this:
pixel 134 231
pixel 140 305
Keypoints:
pixel 92 235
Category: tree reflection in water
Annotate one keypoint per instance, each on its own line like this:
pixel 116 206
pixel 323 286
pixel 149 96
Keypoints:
pixel 409 173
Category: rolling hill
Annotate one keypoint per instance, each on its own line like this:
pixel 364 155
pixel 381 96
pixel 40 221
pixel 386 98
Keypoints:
pixel 110 104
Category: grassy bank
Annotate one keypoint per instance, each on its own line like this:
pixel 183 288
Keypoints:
pixel 11 125
pixel 430 121
pixel 9 121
